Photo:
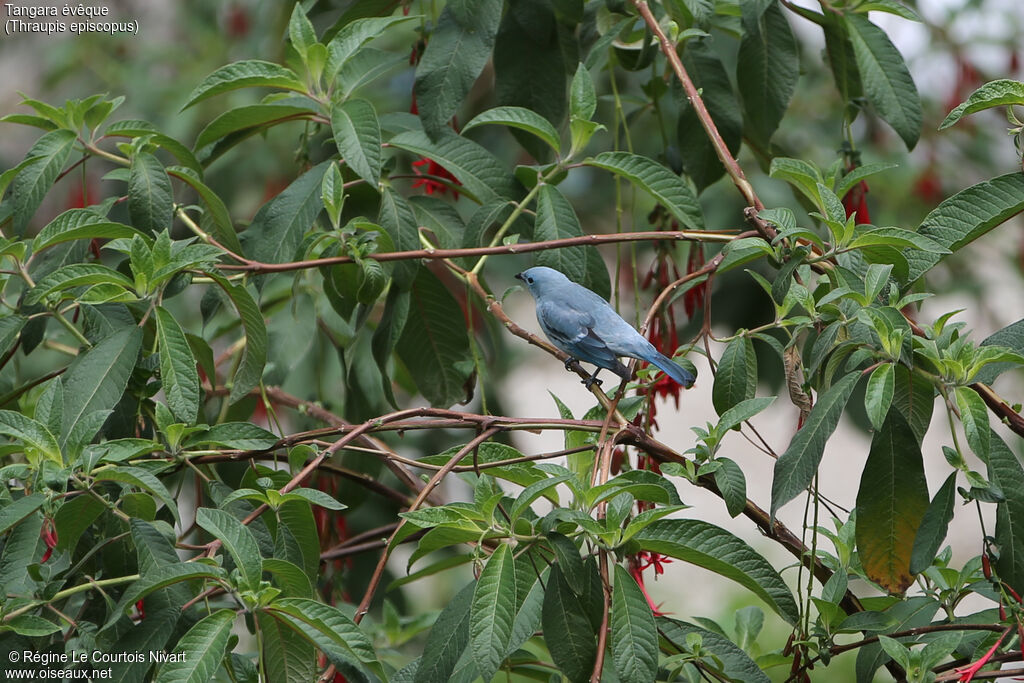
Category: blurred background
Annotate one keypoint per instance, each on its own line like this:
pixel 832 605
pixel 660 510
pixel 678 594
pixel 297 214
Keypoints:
pixel 958 45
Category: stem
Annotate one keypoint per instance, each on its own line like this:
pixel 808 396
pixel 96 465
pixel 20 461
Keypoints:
pixel 68 592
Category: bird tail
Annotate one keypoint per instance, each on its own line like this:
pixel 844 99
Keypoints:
pixel 677 372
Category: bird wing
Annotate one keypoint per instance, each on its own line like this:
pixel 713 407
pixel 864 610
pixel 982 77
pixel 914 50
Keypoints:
pixel 573 331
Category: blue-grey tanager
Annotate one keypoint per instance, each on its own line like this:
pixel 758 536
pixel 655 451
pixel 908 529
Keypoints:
pixel 582 324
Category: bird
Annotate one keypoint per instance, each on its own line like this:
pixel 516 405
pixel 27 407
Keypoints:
pixel 582 324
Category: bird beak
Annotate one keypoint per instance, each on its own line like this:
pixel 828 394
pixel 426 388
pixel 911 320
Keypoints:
pixel 519 276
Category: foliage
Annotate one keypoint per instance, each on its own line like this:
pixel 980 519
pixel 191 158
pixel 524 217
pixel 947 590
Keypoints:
pixel 173 480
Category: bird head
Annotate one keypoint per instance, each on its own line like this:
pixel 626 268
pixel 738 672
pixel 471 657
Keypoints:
pixel 539 278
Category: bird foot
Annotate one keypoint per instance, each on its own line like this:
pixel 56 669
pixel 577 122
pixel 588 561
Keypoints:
pixel 591 381
pixel 569 362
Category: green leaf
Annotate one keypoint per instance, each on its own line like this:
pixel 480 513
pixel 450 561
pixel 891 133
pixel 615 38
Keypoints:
pixel 887 81
pixel 492 612
pixel 315 497
pixel 974 417
pixel 254 355
pixel 220 220
pixel 744 410
pixel 968 215
pixel 300 31
pixel 20 509
pixel 650 176
pixel 10 331
pixel 277 228
pixel 140 478
pixel 736 664
pixel 289 577
pixel 795 469
pixel 357 135
pixel 568 633
pixel 202 650
pixel 178 374
pixel 556 219
pixel 855 176
pixel 569 561
pixel 706 545
pixel 582 97
pixel 447 639
pixel 534 51
pixel 733 485
pixel 905 614
pixel 8 176
pixel 459 48
pixel 366 66
pixel 891 503
pixel 398 220
pixel 479 171
pixel 241 435
pixel 914 397
pixel 634 635
pixel 133 128
pixel 159 577
pixel 30 433
pixel 244 74
pixel 532 493
pixel 521 119
pixel 800 174
pixel 76 275
pixel 742 251
pixel 736 379
pixel 897 237
pixel 932 531
pixel 238 541
pixel 96 379
pixel 1012 337
pixel 333 633
pixel 253 116
pixel 347 42
pixel 33 181
pixel 434 344
pixel 287 655
pixel 32 626
pixel 767 68
pixel 76 224
pixel 878 394
pixel 150 200
pixel 993 94
pixel 1004 470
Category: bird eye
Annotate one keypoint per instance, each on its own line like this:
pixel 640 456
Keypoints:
pixel 529 280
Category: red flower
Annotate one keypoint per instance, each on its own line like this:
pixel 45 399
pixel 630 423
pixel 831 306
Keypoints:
pixel 637 564
pixel 49 536
pixel 427 178
pixel 855 202
pixel 928 187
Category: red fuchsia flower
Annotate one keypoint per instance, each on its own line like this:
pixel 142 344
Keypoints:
pixel 49 536
pixel 856 202
pixel 427 176
pixel 928 187
pixel 641 561
pixel 967 673
pixel 141 609
pixel 693 299
pixel 237 21
pixel 662 333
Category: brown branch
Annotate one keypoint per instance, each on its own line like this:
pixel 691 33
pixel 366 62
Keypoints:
pixel 378 572
pixel 1002 410
pixel 721 149
pixel 520 248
